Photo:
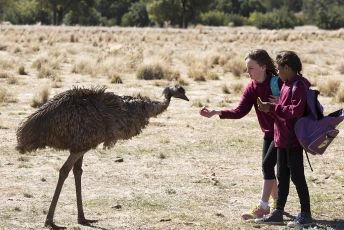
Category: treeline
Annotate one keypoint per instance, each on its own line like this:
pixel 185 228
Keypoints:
pixel 269 14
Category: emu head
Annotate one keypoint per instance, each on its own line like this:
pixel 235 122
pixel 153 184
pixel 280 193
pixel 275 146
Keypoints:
pixel 175 91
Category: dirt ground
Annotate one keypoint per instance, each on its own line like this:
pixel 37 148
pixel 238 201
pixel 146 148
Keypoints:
pixel 183 171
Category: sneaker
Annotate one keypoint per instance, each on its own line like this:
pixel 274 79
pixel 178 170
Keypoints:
pixel 257 212
pixel 303 219
pixel 274 218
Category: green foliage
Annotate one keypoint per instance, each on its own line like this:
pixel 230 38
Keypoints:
pixel 137 16
pixel 276 19
pixel 213 18
pixel 22 12
pixel 331 18
pixel 249 6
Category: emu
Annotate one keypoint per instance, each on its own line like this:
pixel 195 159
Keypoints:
pixel 80 119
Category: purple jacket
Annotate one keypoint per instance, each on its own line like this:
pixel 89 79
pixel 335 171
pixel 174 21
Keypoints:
pixel 289 108
pixel 249 98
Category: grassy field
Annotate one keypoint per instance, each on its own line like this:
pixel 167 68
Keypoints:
pixel 183 171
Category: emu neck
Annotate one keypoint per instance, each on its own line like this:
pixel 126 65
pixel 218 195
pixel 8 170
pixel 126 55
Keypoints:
pixel 154 108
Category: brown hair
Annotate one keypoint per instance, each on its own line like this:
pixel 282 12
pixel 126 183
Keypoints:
pixel 262 58
pixel 290 59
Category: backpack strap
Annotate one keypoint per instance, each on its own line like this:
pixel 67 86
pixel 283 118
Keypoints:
pixel 275 89
pixel 293 132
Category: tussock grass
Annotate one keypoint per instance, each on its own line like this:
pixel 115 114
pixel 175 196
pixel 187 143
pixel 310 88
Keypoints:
pixel 156 72
pixel 6 97
pixel 340 95
pixel 237 88
pixel 12 80
pixel 236 66
pixel 21 70
pixel 329 88
pixel 225 89
pixel 115 78
pixel 40 98
pixel 5 75
pixel 213 76
pixel 340 68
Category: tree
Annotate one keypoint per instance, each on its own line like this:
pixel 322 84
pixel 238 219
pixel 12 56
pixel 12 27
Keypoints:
pixel 177 12
pixel 137 15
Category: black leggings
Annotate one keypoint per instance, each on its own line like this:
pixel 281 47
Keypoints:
pixel 269 159
pixel 290 165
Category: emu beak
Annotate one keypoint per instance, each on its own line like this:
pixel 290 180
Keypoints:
pixel 184 97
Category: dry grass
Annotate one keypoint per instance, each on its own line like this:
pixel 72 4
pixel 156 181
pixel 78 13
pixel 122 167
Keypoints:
pixel 156 71
pixel 40 98
pixel 182 171
pixel 329 88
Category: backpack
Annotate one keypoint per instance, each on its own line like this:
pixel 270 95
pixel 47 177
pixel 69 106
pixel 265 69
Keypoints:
pixel 274 86
pixel 314 131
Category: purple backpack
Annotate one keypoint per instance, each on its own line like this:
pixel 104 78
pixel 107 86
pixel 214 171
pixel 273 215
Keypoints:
pixel 314 131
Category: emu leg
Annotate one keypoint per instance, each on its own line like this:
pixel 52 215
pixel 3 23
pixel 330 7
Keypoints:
pixel 77 170
pixel 64 171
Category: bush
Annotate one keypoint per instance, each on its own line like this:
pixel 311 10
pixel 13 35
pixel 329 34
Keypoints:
pixel 277 19
pixel 218 18
pixel 136 16
pixel 156 71
pixel 332 18
pixel 213 18
pixel 235 20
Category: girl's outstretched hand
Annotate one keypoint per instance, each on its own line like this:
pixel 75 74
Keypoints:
pixel 263 106
pixel 208 113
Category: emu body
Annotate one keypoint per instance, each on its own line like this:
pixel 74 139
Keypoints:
pixel 79 120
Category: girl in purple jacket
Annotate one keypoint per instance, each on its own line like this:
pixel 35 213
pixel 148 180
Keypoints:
pixel 261 69
pixel 290 106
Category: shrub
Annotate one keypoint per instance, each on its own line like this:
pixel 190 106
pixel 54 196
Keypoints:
pixel 21 70
pixel 236 66
pixel 40 98
pixel 213 18
pixel 235 20
pixel 277 19
pixel 340 95
pixel 136 16
pixel 330 88
pixel 156 71
pixel 331 18
pixel 237 88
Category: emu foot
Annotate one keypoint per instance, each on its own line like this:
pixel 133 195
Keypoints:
pixel 51 225
pixel 86 222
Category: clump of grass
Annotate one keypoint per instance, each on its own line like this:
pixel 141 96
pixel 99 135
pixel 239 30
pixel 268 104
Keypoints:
pixel 4 75
pixel 340 68
pixel 330 88
pixel 197 74
pixel 46 72
pixel 40 98
pixel 27 195
pixel 156 71
pixel 237 88
pixel 212 76
pixel 84 67
pixel 340 95
pixel 39 63
pixel 236 66
pixel 197 103
pixel 162 156
pixel 21 70
pixel 115 78
pixel 225 89
pixel 182 82
pixel 12 80
pixel 4 96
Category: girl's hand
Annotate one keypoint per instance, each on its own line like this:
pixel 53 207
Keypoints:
pixel 208 113
pixel 263 106
pixel 273 99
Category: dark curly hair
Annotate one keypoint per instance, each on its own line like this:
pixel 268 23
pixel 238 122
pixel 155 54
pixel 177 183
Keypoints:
pixel 262 58
pixel 290 59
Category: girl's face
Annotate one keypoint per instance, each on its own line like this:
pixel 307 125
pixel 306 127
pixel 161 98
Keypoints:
pixel 283 72
pixel 255 71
